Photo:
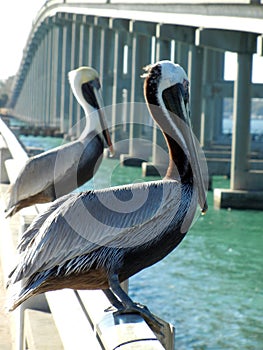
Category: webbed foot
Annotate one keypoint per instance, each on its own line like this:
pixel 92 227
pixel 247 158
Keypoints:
pixel 144 312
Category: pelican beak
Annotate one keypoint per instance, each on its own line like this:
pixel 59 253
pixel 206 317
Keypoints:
pixel 103 123
pixel 100 106
pixel 92 94
pixel 176 99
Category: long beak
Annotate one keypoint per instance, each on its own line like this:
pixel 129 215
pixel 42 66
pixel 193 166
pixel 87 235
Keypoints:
pixel 103 123
pixel 176 100
pixel 197 160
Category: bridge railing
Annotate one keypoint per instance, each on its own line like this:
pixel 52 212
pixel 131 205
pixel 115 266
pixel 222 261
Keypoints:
pixel 79 317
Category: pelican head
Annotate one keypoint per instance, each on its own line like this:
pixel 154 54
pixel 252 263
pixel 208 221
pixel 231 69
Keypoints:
pixel 86 87
pixel 167 87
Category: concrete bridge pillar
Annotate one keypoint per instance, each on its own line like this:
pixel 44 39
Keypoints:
pixel 22 108
pixel 163 45
pixel 246 185
pixel 56 76
pixel 66 67
pixel 82 59
pixel 83 42
pixel 207 108
pixel 24 99
pixel 94 42
pixel 85 50
pixel 37 82
pixel 241 123
pixel 195 74
pixel 181 54
pixel 42 76
pixel 121 76
pixel 74 107
pixel 107 49
pixel 34 80
pixel 162 52
pixel 218 61
pixel 48 76
pixel 212 111
pixel 141 56
pixel 29 93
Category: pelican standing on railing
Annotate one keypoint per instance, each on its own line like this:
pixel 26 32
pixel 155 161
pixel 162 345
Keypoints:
pixel 58 171
pixel 97 239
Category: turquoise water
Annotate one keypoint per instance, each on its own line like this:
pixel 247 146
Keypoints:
pixel 41 141
pixel 211 287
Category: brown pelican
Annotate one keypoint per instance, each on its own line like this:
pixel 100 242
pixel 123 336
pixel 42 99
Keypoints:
pixel 57 172
pixel 97 239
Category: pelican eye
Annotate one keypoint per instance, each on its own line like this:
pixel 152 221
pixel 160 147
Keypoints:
pixel 95 83
pixel 184 89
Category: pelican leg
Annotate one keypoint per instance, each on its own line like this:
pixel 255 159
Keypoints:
pixel 112 299
pixel 128 306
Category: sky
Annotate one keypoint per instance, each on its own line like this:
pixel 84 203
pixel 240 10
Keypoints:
pixel 230 67
pixel 16 17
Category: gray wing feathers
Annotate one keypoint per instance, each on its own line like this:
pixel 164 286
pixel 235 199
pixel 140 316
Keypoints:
pixel 40 171
pixel 36 224
pixel 85 222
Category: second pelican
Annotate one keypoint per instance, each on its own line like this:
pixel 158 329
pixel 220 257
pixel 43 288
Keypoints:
pixel 58 171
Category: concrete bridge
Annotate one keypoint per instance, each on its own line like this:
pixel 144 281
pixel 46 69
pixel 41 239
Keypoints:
pixel 118 38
